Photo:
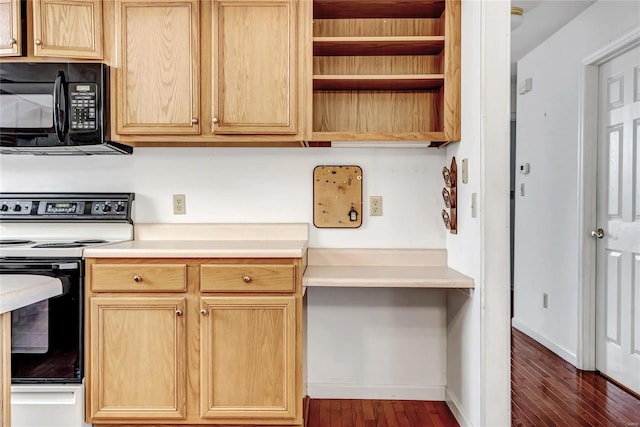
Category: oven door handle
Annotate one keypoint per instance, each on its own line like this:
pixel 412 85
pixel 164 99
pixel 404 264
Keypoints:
pixel 17 267
pixel 65 266
pixel 60 107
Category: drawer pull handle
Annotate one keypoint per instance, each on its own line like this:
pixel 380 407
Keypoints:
pixel 137 278
pixel 246 279
pixel 203 312
pixel 178 312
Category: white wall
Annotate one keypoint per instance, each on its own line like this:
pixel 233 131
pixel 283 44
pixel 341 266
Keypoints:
pixel 254 185
pixel 463 312
pixel 547 216
pixel 362 343
pixel 478 333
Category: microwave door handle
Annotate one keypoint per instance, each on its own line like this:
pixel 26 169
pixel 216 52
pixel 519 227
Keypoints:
pixel 60 117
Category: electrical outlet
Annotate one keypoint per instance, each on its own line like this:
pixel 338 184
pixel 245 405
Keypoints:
pixel 179 204
pixel 545 300
pixel 375 205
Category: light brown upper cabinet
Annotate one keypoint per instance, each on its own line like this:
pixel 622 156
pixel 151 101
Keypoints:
pixel 68 28
pixel 254 67
pixel 157 67
pixel 214 72
pixel 10 28
pixel 51 28
pixel 386 70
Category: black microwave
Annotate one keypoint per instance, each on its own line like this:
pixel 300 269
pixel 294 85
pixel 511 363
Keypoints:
pixel 55 108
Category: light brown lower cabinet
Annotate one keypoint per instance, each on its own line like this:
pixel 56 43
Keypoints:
pixel 163 348
pixel 248 341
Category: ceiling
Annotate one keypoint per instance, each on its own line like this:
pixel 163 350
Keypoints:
pixel 541 19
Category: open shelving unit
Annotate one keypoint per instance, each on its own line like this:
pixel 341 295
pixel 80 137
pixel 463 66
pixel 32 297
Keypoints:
pixel 386 70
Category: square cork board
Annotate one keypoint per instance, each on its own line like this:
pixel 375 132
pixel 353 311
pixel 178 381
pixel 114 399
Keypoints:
pixel 337 196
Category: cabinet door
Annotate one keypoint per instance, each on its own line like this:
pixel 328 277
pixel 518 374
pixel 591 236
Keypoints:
pixel 158 62
pixel 248 358
pixel 10 44
pixel 68 28
pixel 254 67
pixel 137 353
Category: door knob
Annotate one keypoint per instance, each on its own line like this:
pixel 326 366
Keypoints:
pixel 599 233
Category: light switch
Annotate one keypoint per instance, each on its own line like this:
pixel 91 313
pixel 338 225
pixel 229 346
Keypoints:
pixel 465 171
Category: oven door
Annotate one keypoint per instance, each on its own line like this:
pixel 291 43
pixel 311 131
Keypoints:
pixel 46 337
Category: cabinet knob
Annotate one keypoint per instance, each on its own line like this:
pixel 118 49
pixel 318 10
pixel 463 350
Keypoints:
pixel 178 312
pixel 137 278
pixel 214 120
pixel 194 121
pixel 203 312
pixel 38 42
pixel 246 279
pixel 12 41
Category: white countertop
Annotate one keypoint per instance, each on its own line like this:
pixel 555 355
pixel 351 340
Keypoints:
pixel 382 268
pixel 194 240
pixel 200 249
pixel 384 277
pixel 404 268
pixel 20 290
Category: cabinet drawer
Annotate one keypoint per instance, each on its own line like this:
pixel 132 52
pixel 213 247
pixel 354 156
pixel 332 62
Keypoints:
pixel 138 278
pixel 247 278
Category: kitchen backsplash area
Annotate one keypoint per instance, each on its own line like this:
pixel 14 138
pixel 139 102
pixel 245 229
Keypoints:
pixel 255 185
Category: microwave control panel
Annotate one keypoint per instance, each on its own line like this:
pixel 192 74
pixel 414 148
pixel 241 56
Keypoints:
pixel 83 106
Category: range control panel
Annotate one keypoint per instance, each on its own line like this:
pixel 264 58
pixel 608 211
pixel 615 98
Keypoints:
pixel 66 207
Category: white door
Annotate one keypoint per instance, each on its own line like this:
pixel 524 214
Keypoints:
pixel 618 215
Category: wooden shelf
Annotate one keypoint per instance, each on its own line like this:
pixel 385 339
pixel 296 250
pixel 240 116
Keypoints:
pixel 337 9
pixel 378 82
pixel 366 46
pixel 386 70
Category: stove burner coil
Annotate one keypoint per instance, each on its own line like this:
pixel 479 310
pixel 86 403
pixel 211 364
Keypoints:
pixel 7 242
pixel 90 241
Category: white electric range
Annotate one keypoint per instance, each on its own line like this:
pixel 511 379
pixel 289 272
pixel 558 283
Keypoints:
pixel 46 234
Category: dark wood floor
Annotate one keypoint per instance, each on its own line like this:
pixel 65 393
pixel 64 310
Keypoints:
pixel 545 391
pixel 378 413
pixel 548 391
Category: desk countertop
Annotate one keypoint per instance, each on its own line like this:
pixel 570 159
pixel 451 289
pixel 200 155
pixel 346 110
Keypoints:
pixel 382 268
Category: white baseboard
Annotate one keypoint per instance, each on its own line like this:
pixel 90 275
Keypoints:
pixel 368 391
pixel 562 352
pixel 456 408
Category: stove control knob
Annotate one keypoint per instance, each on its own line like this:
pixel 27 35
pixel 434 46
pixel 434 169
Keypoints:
pixel 4 208
pixel 106 208
pixel 17 208
pixel 119 208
